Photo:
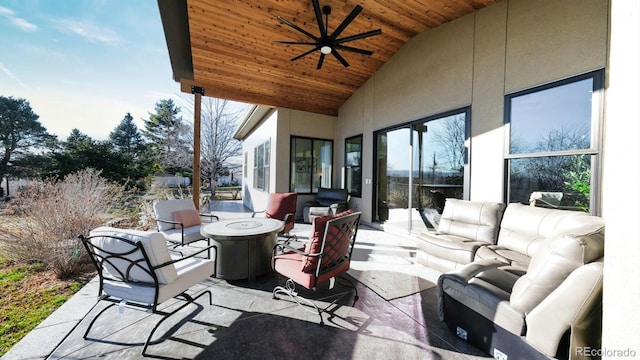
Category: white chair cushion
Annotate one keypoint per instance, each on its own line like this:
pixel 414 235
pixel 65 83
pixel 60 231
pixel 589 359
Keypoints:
pixel 164 210
pixel 153 243
pixel 191 234
pixel 190 271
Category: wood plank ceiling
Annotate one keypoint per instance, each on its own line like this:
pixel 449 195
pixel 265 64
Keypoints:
pixel 233 55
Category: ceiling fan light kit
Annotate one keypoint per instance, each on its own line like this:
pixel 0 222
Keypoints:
pixel 329 43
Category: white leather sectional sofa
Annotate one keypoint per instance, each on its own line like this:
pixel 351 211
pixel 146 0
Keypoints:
pixel 519 282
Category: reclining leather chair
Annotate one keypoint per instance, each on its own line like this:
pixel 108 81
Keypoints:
pixel 328 202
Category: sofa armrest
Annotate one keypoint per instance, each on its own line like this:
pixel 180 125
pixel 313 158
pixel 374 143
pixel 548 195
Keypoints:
pixel 469 271
pixel 577 305
pixel 462 276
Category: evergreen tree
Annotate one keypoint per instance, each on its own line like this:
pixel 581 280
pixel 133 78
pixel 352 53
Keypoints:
pixel 167 135
pixel 20 132
pixel 126 137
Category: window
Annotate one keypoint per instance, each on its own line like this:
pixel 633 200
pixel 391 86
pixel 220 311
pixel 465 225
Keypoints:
pixel 311 164
pixel 554 140
pixel 262 156
pixel 245 165
pixel 353 165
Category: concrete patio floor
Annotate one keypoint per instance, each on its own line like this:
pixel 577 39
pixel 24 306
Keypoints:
pixel 245 322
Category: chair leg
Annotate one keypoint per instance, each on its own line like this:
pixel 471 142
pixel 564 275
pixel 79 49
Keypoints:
pixel 290 289
pixel 86 333
pixel 348 281
pixel 165 315
pixel 189 300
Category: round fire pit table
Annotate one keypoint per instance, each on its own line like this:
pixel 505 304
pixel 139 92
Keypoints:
pixel 244 246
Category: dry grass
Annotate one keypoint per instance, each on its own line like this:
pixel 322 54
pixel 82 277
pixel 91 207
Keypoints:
pixel 28 295
pixel 50 216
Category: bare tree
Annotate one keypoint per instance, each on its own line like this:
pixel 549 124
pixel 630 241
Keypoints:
pixel 219 118
pixel 452 141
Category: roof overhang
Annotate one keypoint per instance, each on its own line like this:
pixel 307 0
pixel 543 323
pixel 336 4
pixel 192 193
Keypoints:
pixel 227 47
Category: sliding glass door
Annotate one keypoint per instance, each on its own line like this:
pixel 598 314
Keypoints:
pixel 392 176
pixel 418 166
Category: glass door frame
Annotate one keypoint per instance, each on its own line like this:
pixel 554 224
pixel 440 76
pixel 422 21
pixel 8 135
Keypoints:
pixel 411 126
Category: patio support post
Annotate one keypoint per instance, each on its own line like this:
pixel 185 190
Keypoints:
pixel 197 102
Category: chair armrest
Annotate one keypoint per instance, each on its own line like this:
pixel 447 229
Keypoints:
pixel 188 256
pixel 169 221
pixel 289 217
pixel 282 245
pixel 210 216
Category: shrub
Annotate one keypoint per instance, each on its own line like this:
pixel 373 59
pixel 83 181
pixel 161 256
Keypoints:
pixel 51 216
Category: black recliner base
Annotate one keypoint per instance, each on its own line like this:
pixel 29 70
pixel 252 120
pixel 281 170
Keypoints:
pixel 485 335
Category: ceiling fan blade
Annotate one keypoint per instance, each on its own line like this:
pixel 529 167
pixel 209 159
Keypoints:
pixel 316 9
pixel 346 21
pixel 359 36
pixel 287 22
pixel 355 50
pixel 305 53
pixel 294 43
pixel 320 61
pixel 340 58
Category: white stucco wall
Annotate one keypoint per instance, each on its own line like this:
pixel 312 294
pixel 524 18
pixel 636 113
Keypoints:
pixel 621 194
pixel 305 124
pixel 474 61
pixel 254 198
pixel 279 125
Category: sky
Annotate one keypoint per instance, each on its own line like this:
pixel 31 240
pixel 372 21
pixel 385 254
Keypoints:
pixel 85 64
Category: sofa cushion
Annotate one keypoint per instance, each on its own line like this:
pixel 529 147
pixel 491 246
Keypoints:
pixel 552 264
pixel 523 228
pixel 501 253
pixel 454 248
pixel 474 220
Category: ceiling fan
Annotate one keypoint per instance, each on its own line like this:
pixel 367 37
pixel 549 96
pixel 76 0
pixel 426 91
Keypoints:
pixel 329 43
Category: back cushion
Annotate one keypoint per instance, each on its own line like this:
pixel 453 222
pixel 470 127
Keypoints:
pixel 475 220
pixel 153 243
pixel 187 218
pixel 553 263
pixel 280 204
pixel 524 227
pixel 327 196
pixel 314 246
pixel 164 210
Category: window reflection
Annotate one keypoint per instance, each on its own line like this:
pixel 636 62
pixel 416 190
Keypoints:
pixel 553 119
pixel 353 165
pixel 311 164
pixel 568 176
pixel 552 150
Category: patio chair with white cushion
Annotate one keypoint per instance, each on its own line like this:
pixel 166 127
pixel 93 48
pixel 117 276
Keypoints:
pixel 136 270
pixel 179 221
